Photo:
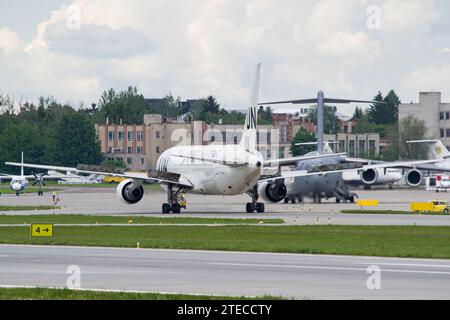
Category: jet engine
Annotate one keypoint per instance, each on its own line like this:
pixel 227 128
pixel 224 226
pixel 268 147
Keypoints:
pixel 414 178
pixel 274 192
pixel 129 192
pixel 369 176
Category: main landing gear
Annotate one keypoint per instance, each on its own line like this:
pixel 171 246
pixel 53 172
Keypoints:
pixel 172 204
pixel 253 206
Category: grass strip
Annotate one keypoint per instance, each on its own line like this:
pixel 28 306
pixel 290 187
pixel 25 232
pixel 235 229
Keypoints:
pixel 99 219
pixel 26 208
pixel 388 241
pixel 66 294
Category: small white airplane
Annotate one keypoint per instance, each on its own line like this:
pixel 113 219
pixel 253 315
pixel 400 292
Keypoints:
pixel 208 169
pixel 71 178
pixel 19 183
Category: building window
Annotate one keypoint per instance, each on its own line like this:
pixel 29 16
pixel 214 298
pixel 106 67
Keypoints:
pixel 130 135
pixel 442 133
pixel 111 135
pixel 142 161
pixel 351 148
pixel 441 116
pixel 139 135
pixel 110 150
pixel 157 150
pixel 157 134
pixel 130 150
pixel 139 149
pixel 129 160
pixel 447 132
pixel 341 145
pixel 120 135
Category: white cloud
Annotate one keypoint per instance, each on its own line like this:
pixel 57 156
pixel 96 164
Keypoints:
pixel 10 42
pixel 405 16
pixel 432 78
pixel 200 47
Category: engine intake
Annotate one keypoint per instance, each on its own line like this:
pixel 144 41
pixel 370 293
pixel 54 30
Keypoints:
pixel 369 176
pixel 129 193
pixel 274 192
pixel 414 178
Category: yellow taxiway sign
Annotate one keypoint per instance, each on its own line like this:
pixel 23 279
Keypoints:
pixel 41 230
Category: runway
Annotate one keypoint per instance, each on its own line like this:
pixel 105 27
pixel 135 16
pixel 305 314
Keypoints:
pixel 104 201
pixel 225 273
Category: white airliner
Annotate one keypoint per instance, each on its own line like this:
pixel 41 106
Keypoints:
pixel 210 170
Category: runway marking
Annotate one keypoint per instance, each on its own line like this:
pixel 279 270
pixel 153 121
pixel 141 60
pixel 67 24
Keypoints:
pixel 327 268
pixel 407 265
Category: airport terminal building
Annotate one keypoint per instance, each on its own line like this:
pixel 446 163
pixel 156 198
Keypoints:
pixel 433 112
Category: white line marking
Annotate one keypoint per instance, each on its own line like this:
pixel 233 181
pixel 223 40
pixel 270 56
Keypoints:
pixel 408 265
pixel 326 268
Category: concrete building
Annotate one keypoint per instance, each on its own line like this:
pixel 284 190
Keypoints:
pixel 140 146
pixel 355 145
pixel 433 112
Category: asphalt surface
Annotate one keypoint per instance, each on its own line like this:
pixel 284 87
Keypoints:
pixel 225 273
pixel 104 201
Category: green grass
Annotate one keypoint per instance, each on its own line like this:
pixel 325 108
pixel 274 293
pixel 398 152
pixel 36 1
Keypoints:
pixel 392 212
pixel 99 219
pixel 394 241
pixel 66 294
pixel 26 208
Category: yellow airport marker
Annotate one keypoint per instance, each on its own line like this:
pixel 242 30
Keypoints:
pixel 368 203
pixel 41 230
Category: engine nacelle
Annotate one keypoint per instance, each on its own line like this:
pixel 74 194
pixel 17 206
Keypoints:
pixel 369 176
pixel 129 193
pixel 274 192
pixel 414 178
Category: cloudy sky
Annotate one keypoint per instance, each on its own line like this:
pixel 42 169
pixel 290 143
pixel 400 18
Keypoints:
pixel 74 50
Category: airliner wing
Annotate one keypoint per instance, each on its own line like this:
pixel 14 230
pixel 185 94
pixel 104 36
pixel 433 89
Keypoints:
pixel 152 175
pixel 294 160
pixel 404 165
pixel 300 173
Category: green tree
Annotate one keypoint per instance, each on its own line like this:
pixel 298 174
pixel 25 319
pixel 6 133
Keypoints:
pixel 302 136
pixel 358 114
pixel 411 128
pixel 126 106
pixel 331 121
pixel 114 164
pixel 384 110
pixel 16 137
pixel 77 142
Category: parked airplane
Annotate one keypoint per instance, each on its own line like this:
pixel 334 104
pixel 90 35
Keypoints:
pixel 71 178
pixel 19 183
pixel 210 170
pixel 334 185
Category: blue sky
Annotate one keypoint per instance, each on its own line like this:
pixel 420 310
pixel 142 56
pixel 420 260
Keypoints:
pixel 200 47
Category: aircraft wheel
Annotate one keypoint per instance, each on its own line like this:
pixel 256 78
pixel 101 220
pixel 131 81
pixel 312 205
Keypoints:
pixel 286 200
pixel 166 208
pixel 352 199
pixel 176 208
pixel 338 201
pixel 250 208
pixel 17 194
pixel 260 207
